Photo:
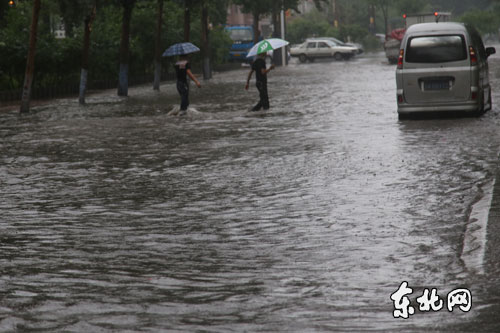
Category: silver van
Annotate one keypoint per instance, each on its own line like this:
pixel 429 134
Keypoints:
pixel 443 67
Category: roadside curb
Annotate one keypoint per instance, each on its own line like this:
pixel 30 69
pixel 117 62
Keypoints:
pixel 492 251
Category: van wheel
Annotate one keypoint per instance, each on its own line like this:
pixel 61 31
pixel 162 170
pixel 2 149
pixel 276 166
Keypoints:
pixel 338 56
pixel 490 103
pixel 481 110
pixel 302 58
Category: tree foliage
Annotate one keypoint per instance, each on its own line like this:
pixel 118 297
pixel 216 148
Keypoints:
pixel 486 22
pixel 58 60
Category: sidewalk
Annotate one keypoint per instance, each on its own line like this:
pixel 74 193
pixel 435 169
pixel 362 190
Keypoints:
pixel 15 105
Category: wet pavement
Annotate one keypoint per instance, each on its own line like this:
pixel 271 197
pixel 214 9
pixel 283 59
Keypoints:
pixel 117 216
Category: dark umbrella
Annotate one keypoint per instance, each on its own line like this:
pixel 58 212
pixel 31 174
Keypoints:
pixel 180 49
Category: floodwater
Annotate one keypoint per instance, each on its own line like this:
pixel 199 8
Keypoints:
pixel 116 216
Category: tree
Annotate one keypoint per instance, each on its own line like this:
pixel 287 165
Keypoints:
pixel 187 20
pixel 484 21
pixel 30 63
pixel 189 6
pixel 128 6
pixel 411 6
pixel 85 51
pixel 260 8
pixel 4 6
pixel 257 8
pixel 462 6
pixel 205 47
pixel 157 60
pixel 72 12
pixel 383 6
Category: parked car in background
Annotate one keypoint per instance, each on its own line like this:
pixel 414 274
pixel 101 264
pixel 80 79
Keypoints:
pixel 443 67
pixel 359 47
pixel 322 48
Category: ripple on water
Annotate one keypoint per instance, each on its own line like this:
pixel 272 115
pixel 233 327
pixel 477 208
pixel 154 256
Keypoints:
pixel 119 216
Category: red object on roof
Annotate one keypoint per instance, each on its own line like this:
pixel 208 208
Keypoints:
pixel 398 33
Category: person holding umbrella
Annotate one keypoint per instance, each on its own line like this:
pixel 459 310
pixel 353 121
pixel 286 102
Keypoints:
pixel 259 67
pixel 183 70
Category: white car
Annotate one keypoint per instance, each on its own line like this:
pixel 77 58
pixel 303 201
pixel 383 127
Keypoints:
pixel 359 48
pixel 321 48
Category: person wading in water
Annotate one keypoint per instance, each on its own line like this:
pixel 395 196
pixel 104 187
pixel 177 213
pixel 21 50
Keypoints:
pixel 259 67
pixel 182 70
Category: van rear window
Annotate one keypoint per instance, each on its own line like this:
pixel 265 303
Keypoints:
pixel 433 49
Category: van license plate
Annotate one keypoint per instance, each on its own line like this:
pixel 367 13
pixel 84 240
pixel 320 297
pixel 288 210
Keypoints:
pixel 437 85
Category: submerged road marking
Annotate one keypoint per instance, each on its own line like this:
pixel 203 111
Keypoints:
pixel 474 246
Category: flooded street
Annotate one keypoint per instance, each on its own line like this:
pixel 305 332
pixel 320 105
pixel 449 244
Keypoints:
pixel 119 217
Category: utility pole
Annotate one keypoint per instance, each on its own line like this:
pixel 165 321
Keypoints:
pixel 277 59
pixel 283 49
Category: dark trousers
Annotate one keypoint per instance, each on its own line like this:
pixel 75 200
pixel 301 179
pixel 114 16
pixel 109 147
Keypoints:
pixel 264 97
pixel 183 89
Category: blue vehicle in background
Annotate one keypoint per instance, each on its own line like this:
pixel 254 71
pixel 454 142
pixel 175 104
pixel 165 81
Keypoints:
pixel 242 36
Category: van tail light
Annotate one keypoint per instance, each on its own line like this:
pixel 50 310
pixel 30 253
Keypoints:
pixel 474 95
pixel 473 57
pixel 400 59
pixel 400 99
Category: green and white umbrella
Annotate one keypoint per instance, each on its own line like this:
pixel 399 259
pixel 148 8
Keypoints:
pixel 266 45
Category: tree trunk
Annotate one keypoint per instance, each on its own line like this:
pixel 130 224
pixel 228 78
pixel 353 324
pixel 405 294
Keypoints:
pixel 207 71
pixel 385 9
pixel 128 5
pixel 336 14
pixel 157 78
pixel 30 63
pixel 256 30
pixel 187 21
pixel 85 54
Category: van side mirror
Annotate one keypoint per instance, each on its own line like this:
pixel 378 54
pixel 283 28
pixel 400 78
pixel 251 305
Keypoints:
pixel 490 51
